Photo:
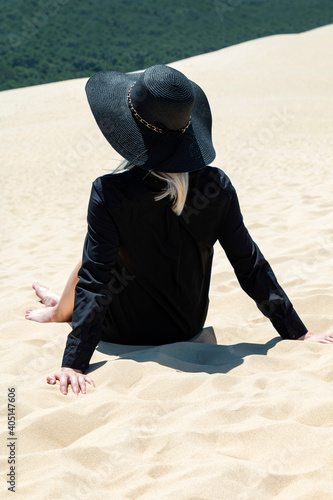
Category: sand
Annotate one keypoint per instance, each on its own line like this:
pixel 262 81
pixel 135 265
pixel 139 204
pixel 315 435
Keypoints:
pixel 248 418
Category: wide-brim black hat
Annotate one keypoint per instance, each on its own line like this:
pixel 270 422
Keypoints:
pixel 156 119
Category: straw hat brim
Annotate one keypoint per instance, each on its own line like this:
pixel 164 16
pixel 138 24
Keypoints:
pixel 181 152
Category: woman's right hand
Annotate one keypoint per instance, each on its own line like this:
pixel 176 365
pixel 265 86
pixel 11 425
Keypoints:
pixel 321 338
pixel 70 376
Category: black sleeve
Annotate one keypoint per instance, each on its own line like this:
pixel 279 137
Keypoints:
pixel 255 275
pixel 93 292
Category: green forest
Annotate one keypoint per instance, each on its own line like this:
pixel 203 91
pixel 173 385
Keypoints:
pixel 50 40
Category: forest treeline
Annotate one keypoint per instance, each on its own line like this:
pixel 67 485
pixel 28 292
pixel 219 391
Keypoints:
pixel 50 40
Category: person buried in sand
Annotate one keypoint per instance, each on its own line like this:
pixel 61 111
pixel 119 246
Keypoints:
pixel 152 223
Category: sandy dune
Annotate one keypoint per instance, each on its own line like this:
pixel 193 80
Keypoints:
pixel 249 418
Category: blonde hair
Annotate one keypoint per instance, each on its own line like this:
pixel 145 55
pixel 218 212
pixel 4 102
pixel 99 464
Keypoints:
pixel 176 189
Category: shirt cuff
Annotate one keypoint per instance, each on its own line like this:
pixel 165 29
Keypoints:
pixel 77 355
pixel 290 326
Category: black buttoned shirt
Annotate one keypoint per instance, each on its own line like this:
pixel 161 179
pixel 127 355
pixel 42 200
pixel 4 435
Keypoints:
pixel 145 271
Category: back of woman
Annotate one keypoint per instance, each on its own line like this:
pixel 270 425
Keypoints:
pixel 145 271
pixel 159 270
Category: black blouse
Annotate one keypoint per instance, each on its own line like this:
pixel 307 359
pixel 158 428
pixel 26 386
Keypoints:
pixel 145 271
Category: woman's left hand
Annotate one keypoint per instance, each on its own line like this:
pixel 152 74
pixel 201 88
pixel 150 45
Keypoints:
pixel 321 338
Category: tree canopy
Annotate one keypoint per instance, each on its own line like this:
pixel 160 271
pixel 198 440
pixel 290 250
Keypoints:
pixel 50 40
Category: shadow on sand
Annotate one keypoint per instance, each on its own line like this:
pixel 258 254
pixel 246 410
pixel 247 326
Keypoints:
pixel 191 356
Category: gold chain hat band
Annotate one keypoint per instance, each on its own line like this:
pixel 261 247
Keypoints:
pixel 144 122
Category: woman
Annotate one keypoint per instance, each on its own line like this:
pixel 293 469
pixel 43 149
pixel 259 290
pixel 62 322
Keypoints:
pixel 145 271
